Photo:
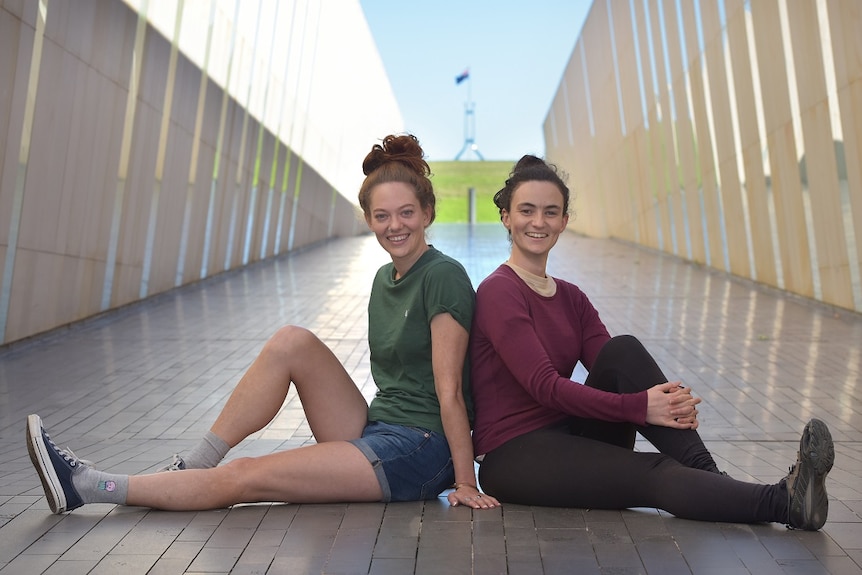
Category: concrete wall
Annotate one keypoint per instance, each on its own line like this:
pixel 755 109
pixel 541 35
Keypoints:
pixel 723 131
pixel 145 147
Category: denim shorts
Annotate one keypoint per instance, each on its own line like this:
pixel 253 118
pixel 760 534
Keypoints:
pixel 411 463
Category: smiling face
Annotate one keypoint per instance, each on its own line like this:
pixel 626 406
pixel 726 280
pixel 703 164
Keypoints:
pixel 535 221
pixel 398 220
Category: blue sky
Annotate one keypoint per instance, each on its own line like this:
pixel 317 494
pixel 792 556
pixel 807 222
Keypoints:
pixel 516 51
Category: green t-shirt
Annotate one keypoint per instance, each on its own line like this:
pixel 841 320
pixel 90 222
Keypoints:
pixel 399 336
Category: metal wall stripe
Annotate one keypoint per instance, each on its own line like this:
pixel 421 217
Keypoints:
pixel 240 163
pixel 332 200
pixel 639 58
pixel 291 237
pixel 676 180
pixel 710 130
pixel 165 127
pixel 282 197
pixel 231 231
pixel 799 140
pixel 737 140
pixel 666 237
pixel 850 231
pixel 693 206
pixel 613 41
pixel 208 233
pixel 600 185
pixel 282 202
pixel 651 201
pixel 587 88
pixel 764 143
pixel 196 146
pixel 22 166
pixel 298 186
pixel 569 122
pixel 125 153
pixel 552 125
pixel 258 156
pixel 276 152
pixel 267 215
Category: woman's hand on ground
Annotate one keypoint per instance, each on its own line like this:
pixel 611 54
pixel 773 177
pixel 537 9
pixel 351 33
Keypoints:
pixel 672 405
pixel 470 496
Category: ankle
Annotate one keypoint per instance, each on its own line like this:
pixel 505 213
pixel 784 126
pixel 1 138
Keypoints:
pixel 94 486
pixel 209 452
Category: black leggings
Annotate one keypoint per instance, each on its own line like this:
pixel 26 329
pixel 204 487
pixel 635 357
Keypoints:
pixel 590 464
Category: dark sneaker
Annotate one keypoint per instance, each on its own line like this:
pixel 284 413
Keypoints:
pixel 176 465
pixel 806 483
pixel 55 467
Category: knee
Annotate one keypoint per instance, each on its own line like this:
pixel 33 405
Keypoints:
pixel 626 356
pixel 234 470
pixel 290 338
pixel 236 475
pixel 627 353
pixel 236 466
pixel 626 340
pixel 623 345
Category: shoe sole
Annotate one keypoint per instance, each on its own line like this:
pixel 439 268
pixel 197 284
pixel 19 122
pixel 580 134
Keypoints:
pixel 41 459
pixel 818 453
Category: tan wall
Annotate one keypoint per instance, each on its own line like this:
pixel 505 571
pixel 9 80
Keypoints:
pixel 727 133
pixel 106 199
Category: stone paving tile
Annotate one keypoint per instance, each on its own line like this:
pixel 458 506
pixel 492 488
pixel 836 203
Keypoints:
pixel 130 388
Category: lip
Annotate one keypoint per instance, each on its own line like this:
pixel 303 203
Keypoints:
pixel 536 235
pixel 398 238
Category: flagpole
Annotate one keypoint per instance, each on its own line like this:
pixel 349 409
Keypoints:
pixel 469 118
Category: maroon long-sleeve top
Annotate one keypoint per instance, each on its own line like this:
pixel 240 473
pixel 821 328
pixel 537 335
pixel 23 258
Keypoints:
pixel 523 350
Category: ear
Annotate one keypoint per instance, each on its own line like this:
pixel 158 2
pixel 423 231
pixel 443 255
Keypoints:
pixel 504 217
pixel 426 216
pixel 565 222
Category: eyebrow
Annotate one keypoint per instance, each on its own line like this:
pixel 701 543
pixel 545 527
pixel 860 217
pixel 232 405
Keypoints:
pixel 532 205
pixel 410 205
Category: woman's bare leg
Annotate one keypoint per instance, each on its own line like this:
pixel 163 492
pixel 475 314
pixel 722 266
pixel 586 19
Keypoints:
pixel 333 405
pixel 323 473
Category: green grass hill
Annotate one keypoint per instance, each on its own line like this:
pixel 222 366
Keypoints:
pixel 452 180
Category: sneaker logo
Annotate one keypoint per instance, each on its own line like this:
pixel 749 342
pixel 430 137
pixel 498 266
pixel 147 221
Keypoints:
pixel 107 485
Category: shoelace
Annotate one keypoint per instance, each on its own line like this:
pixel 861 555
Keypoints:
pixel 177 464
pixel 69 455
pixel 68 452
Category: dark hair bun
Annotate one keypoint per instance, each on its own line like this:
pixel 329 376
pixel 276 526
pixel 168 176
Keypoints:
pixel 526 162
pixel 403 149
pixel 531 168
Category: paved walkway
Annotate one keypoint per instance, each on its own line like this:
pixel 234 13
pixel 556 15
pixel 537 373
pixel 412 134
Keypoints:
pixel 129 389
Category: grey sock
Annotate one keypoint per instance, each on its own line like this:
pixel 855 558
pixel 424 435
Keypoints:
pixel 207 453
pixel 94 486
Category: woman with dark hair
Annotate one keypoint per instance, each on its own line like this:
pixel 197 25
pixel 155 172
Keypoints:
pixel 413 441
pixel 544 439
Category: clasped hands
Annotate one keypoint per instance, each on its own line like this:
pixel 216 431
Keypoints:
pixel 671 404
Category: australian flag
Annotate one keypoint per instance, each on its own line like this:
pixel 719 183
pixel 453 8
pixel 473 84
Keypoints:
pixel 462 76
